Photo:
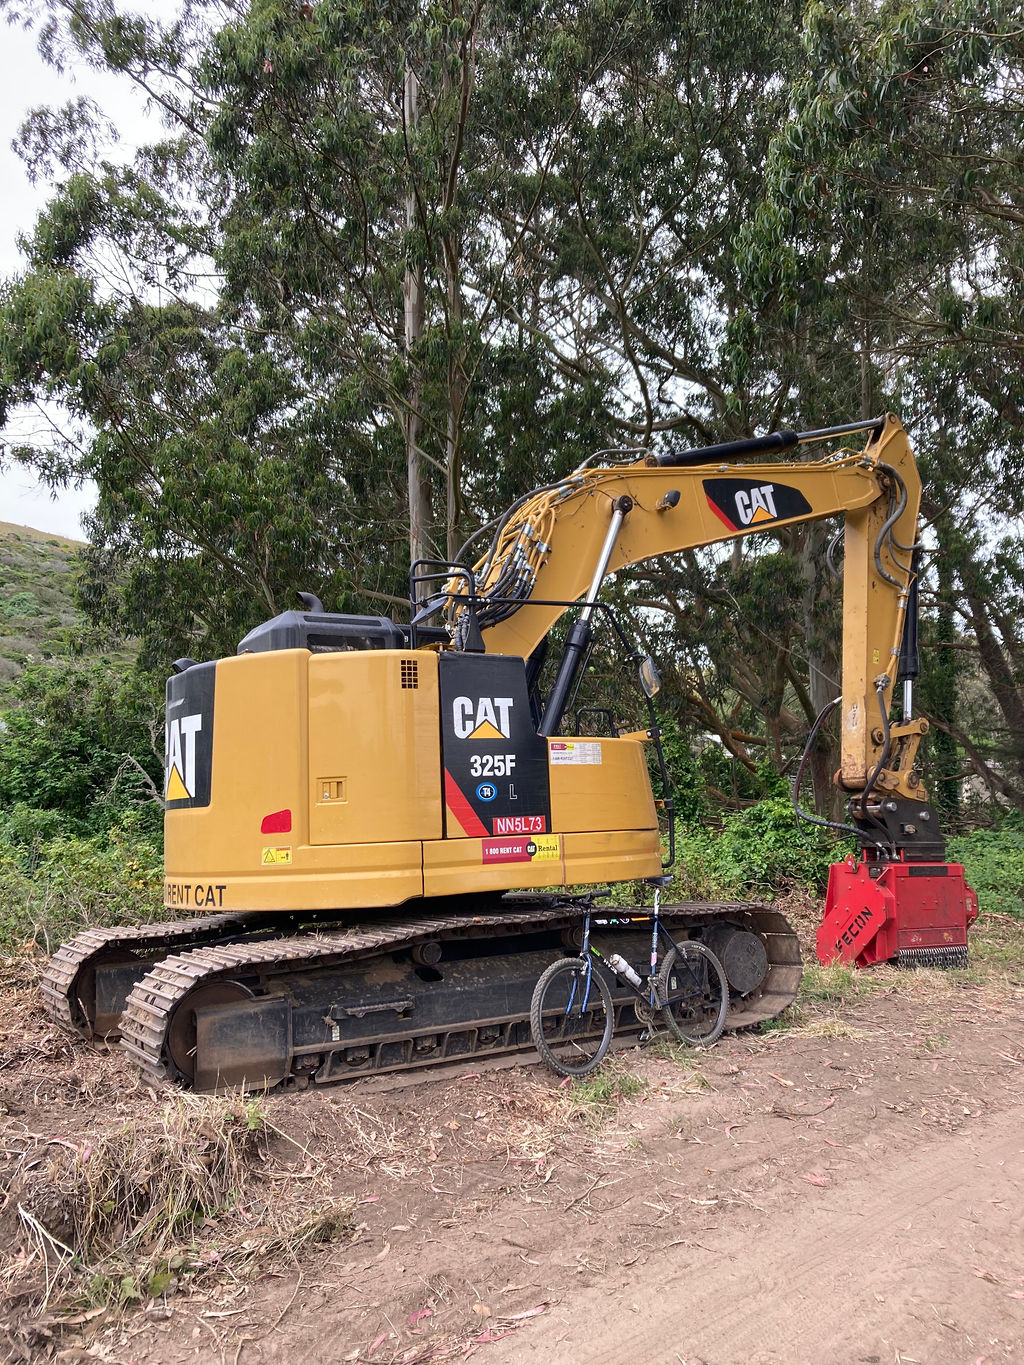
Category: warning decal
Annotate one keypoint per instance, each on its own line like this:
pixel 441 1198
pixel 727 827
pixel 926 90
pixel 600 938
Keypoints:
pixel 276 857
pixel 541 848
pixel 575 751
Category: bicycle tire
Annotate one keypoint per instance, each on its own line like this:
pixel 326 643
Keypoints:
pixel 695 1019
pixel 571 1016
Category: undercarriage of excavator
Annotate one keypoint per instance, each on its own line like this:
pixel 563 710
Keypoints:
pixel 259 1001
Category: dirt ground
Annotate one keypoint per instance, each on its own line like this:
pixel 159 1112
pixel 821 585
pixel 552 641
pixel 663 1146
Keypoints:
pixel 846 1189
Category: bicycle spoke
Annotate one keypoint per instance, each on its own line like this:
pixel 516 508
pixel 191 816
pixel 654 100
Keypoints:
pixel 694 994
pixel 571 1016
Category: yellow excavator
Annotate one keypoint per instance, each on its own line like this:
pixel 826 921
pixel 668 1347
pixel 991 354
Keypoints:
pixel 374 831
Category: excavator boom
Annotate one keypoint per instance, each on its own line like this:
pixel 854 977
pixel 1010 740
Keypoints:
pixel 902 901
pixel 544 553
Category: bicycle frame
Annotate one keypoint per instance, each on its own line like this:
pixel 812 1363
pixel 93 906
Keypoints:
pixel 589 953
pixel 573 1035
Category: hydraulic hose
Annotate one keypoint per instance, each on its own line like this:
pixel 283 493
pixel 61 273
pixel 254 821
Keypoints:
pixel 801 814
pixel 883 757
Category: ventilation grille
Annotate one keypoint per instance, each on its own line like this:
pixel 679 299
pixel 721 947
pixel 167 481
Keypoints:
pixel 410 673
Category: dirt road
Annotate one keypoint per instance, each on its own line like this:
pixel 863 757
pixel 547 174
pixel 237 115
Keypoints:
pixel 849 1190
pixel 846 1188
pixel 913 1259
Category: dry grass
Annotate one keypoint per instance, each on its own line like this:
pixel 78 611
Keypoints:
pixel 995 943
pixel 514 1119
pixel 996 946
pixel 803 910
pixel 458 1346
pixel 115 1199
pixel 97 1225
pixel 834 985
pixel 830 1026
pixel 21 971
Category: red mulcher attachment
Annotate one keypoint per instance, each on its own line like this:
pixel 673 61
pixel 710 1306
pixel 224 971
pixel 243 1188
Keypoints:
pixel 910 913
pixel 899 901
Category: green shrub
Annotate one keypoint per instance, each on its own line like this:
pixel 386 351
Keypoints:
pixel 21 604
pixel 78 740
pixel 54 882
pixel 993 860
pixel 760 850
pixel 689 790
pixel 26 828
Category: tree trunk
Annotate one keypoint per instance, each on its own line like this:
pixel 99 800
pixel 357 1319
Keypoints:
pixel 416 476
pixel 824 669
pixel 942 689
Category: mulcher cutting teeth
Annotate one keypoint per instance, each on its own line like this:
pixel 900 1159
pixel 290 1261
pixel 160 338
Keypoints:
pixel 949 958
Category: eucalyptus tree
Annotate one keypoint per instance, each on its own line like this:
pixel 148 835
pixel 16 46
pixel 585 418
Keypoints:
pixel 894 213
pixel 254 326
pixel 395 263
pixel 444 248
pixel 642 224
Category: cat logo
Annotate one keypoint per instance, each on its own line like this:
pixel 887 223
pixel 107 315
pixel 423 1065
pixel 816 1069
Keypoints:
pixel 189 737
pixel 756 504
pixel 743 503
pixel 181 757
pixel 485 718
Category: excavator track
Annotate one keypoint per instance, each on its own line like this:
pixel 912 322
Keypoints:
pixel 85 983
pixel 396 993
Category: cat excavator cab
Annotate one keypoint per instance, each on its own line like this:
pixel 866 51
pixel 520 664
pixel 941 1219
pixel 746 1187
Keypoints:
pixel 377 834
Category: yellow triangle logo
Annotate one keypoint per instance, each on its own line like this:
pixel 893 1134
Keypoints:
pixel 485 730
pixel 176 789
pixel 761 515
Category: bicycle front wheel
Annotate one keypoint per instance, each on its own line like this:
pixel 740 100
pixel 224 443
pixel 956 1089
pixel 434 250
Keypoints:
pixel 691 982
pixel 571 1016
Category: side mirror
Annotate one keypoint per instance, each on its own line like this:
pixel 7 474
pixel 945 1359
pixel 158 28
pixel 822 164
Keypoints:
pixel 650 678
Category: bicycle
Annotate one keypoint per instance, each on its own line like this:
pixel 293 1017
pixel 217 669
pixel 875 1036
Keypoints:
pixel 572 1016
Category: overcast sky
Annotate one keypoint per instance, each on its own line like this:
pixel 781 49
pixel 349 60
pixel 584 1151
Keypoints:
pixel 26 82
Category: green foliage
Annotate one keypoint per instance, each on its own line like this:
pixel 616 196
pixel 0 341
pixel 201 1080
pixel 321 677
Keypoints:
pixel 706 777
pixel 759 851
pixel 21 604
pixel 890 231
pixel 604 1089
pixel 80 739
pixel 993 862
pixel 54 882
pixel 688 780
pixel 569 257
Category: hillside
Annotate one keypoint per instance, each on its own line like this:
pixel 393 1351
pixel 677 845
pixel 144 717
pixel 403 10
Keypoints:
pixel 38 615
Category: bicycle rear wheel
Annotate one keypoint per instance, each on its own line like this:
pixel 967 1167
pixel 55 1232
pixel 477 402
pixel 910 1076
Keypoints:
pixel 692 981
pixel 571 1016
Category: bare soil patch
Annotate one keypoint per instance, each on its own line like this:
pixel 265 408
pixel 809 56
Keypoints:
pixel 844 1188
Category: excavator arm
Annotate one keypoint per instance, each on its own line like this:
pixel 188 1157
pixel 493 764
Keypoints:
pixel 557 546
